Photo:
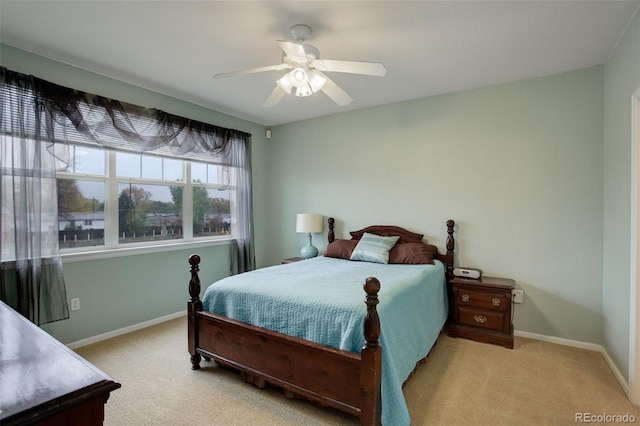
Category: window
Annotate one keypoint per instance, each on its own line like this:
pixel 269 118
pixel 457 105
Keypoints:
pixel 145 200
pixel 81 199
pixel 112 195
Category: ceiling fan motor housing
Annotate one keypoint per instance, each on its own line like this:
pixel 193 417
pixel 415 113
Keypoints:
pixel 300 32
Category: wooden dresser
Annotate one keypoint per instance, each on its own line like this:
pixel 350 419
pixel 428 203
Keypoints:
pixel 42 382
pixel 481 310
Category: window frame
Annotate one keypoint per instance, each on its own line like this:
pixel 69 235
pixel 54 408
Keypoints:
pixel 112 246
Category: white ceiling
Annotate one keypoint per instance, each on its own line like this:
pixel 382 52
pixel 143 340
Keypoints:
pixel 428 47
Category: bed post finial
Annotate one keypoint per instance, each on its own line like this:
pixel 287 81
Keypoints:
pixel 332 236
pixel 370 379
pixel 194 283
pixel 371 320
pixel 194 305
pixel 450 247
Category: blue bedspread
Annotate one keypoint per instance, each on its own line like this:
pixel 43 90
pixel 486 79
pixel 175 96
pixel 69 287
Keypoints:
pixel 322 300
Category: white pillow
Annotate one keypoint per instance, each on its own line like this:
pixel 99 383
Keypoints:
pixel 373 248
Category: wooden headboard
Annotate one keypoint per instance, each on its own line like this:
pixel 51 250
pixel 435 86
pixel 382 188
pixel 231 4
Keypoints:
pixel 405 237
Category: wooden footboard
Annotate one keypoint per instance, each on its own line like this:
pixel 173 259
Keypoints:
pixel 330 377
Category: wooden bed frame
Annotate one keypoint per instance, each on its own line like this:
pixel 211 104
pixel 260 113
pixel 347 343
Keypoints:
pixel 344 380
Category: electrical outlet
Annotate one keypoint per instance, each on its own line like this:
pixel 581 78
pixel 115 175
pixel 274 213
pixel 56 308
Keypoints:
pixel 518 296
pixel 75 304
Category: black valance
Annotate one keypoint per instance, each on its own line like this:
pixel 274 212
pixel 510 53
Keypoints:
pixel 84 118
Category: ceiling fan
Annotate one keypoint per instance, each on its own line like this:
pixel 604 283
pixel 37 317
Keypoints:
pixel 307 70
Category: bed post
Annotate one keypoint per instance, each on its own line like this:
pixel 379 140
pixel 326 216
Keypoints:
pixel 194 305
pixel 450 248
pixel 332 236
pixel 371 354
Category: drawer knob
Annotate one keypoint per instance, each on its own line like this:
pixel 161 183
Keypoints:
pixel 480 319
pixel 465 297
pixel 495 301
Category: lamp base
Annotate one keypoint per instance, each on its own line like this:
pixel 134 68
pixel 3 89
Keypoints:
pixel 308 251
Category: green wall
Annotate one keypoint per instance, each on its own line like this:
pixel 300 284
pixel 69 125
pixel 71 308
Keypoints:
pixel 621 80
pixel 119 292
pixel 519 167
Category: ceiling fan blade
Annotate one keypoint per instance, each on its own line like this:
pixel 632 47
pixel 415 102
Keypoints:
pixel 334 91
pixel 275 97
pixel 351 67
pixel 293 50
pixel 253 70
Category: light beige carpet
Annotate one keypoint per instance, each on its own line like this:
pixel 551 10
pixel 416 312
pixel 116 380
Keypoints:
pixel 462 383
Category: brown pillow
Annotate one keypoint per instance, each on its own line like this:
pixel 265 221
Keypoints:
pixel 341 249
pixel 413 253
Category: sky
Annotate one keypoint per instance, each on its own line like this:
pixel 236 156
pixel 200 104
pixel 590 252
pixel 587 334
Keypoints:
pixel 89 161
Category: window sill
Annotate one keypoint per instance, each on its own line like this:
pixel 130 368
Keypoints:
pixel 71 257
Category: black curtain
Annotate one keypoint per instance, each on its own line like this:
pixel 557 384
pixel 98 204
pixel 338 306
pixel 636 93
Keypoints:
pixel 37 119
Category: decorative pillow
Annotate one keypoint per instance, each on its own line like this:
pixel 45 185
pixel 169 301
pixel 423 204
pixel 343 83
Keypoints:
pixel 340 249
pixel 373 248
pixel 413 253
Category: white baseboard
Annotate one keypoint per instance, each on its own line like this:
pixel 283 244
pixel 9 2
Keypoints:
pixel 125 330
pixel 582 345
pixel 557 340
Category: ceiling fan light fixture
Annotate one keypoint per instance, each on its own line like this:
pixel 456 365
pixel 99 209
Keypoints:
pixel 303 91
pixel 285 83
pixel 299 77
pixel 305 82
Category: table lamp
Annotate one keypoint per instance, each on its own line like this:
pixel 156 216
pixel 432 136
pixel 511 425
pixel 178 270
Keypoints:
pixel 310 223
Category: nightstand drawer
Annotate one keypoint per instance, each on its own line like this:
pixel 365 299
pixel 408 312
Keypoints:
pixel 481 309
pixel 478 318
pixel 482 299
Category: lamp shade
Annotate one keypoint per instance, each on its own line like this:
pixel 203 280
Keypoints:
pixel 309 222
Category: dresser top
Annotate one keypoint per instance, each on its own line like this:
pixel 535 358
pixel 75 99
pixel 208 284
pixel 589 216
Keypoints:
pixel 36 369
pixel 506 283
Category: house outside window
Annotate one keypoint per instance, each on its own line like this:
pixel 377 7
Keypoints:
pixel 110 199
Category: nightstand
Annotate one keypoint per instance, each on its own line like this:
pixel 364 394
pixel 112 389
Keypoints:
pixel 481 310
pixel 291 260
